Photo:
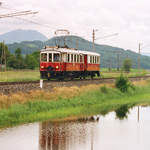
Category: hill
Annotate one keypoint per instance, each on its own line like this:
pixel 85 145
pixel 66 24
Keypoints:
pixel 22 35
pixel 109 54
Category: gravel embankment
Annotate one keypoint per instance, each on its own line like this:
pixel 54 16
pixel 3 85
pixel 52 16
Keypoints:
pixel 7 88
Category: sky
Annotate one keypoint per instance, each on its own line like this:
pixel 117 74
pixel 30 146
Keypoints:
pixel 129 18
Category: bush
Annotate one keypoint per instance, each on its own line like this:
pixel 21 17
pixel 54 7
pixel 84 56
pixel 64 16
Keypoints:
pixel 127 64
pixel 122 83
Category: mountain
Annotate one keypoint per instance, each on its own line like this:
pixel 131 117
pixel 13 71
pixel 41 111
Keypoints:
pixel 146 54
pixel 22 35
pixel 109 55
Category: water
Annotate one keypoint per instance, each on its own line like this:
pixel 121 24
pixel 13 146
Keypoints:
pixel 107 133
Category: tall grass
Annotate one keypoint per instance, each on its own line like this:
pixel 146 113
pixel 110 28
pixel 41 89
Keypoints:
pixel 99 100
pixel 55 94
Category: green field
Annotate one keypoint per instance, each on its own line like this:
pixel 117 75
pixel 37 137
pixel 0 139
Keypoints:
pixel 113 73
pixel 19 75
pixel 29 75
pixel 97 101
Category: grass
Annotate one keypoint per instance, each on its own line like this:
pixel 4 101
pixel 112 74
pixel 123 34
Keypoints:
pixel 133 73
pixel 33 75
pixel 19 75
pixel 99 100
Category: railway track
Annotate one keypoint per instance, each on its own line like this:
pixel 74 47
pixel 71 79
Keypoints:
pixel 52 81
pixel 26 86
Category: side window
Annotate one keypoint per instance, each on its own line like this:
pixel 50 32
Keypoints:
pixel 75 58
pixel 78 58
pixel 50 57
pixel 96 59
pixel 64 57
pixel 81 59
pixel 44 57
pixel 68 57
pixel 56 57
pixel 93 59
pixel 71 57
pixel 90 59
pixel 99 59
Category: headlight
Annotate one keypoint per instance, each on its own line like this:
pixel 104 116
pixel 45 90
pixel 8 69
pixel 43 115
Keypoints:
pixel 42 67
pixel 57 67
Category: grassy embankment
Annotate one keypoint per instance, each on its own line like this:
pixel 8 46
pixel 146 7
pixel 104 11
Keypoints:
pixel 69 103
pixel 29 75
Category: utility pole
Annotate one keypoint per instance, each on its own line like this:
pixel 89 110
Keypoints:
pixel 139 63
pixel 77 43
pixel 3 57
pixel 93 38
pixel 118 60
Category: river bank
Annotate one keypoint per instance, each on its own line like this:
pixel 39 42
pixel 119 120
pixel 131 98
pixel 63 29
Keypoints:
pixel 64 103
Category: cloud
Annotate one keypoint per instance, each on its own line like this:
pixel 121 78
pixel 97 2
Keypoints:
pixel 131 19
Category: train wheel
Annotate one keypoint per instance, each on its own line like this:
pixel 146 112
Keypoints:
pixel 72 78
pixel 61 78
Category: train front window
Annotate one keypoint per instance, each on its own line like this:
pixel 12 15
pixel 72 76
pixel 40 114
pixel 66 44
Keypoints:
pixel 44 57
pixel 56 57
pixel 50 57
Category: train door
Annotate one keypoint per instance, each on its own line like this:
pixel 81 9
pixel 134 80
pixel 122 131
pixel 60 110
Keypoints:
pixel 63 60
pixel 85 62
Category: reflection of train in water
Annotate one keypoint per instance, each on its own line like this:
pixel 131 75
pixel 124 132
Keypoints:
pixel 58 63
pixel 67 135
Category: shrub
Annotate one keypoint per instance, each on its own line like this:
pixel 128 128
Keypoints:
pixel 127 64
pixel 122 83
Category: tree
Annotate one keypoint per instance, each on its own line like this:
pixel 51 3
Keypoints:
pixel 20 63
pixel 30 62
pixel 18 53
pixel 127 64
pixel 36 56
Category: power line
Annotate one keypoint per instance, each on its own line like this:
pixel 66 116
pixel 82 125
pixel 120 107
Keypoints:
pixel 27 20
pixel 115 34
pixel 21 13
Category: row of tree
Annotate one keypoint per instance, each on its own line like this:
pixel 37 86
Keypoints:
pixel 31 61
pixel 17 60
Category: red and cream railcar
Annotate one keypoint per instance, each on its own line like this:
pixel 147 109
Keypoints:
pixel 59 63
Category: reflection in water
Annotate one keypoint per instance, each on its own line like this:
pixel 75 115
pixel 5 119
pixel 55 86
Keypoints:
pixel 63 136
pixel 122 111
pixel 108 133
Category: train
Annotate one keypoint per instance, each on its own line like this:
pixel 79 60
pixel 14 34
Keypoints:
pixel 61 62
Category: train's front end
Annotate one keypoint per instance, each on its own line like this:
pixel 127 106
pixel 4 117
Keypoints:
pixel 50 65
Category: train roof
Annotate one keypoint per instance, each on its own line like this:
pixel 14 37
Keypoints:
pixel 68 50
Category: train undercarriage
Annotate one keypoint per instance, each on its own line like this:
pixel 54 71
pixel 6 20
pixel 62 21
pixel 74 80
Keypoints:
pixel 68 74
